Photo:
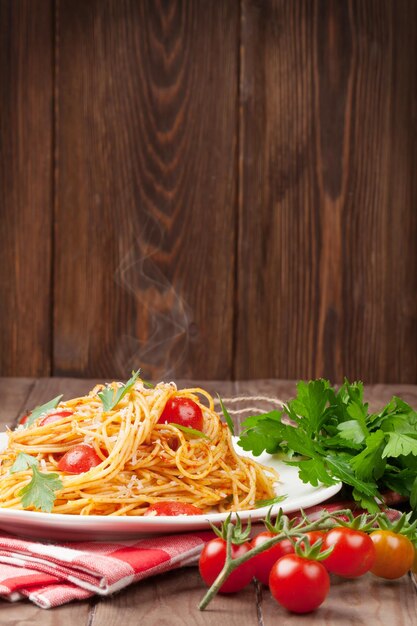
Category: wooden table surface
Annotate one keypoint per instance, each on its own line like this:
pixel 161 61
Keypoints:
pixel 172 598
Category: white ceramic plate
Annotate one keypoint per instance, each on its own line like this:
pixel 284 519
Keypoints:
pixel 73 527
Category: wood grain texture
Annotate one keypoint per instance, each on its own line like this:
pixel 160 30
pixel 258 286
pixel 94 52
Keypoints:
pixel 146 187
pixel 24 612
pixel 328 191
pixel 26 73
pixel 172 599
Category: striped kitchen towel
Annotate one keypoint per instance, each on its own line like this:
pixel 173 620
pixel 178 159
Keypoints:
pixel 51 574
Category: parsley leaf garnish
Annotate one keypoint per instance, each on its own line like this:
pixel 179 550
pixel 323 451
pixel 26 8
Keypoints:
pixel 40 491
pixel 332 436
pixel 23 462
pixel 227 417
pixel 261 503
pixel 111 397
pixel 39 410
pixel 400 444
pixel 190 431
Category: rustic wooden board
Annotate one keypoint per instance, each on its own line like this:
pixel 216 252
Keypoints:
pixel 173 598
pixel 146 184
pixel 327 271
pixel 26 73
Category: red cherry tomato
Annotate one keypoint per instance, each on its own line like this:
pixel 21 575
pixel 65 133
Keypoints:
pixel 212 560
pixel 298 584
pixel 54 417
pixel 23 420
pixel 173 508
pixel 263 562
pixel 394 554
pixel 79 459
pixel 353 552
pixel 183 411
pixel 314 536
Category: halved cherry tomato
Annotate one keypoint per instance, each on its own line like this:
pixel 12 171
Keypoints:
pixel 54 417
pixel 212 560
pixel 183 411
pixel 173 508
pixel 263 562
pixel 79 459
pixel 353 552
pixel 394 554
pixel 300 585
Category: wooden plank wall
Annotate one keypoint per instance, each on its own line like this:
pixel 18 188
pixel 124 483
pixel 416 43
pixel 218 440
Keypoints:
pixel 26 107
pixel 209 189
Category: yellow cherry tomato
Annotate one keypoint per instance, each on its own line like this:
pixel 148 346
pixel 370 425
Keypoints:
pixel 394 554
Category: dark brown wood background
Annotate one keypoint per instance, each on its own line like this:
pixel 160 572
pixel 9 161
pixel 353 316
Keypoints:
pixel 209 189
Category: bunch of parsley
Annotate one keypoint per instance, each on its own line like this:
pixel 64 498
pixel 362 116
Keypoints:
pixel 331 436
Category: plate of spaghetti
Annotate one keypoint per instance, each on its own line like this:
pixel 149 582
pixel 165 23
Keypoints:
pixel 134 459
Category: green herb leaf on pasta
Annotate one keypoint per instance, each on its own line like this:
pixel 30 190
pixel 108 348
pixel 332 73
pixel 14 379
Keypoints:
pixel 39 410
pixel 261 503
pixel 23 462
pixel 190 431
pixel 40 491
pixel 110 397
pixel 227 417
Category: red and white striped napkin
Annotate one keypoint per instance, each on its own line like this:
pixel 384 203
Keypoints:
pixel 51 574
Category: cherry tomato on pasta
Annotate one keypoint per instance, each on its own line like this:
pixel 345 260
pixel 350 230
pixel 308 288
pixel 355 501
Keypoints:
pixel 173 508
pixel 182 411
pixel 353 552
pixel 79 459
pixel 212 560
pixel 300 585
pixel 394 554
pixel 56 416
pixel 263 562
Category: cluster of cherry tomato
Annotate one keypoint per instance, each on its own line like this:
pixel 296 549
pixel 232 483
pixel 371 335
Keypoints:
pixel 297 573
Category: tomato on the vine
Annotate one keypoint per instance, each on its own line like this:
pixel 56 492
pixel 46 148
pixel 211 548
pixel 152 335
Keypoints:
pixel 298 584
pixel 353 552
pixel 182 411
pixel 79 459
pixel 314 536
pixel 171 508
pixel 394 554
pixel 263 562
pixel 213 558
pixel 56 416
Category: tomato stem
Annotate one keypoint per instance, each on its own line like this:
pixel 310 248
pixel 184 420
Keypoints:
pixel 224 574
pixel 288 532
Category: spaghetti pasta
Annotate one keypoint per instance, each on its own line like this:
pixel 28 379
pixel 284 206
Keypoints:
pixel 140 461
